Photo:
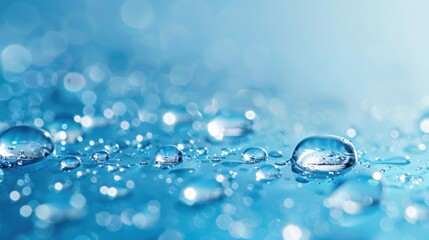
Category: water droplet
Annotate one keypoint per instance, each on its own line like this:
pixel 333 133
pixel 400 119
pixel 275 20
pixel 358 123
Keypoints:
pixel 356 195
pixel 254 155
pixel 201 191
pixel 23 145
pixel 69 163
pixel 168 156
pixel 1 175
pixel 275 154
pixel 229 126
pixel 100 156
pixel 393 161
pixel 323 156
pixel 267 173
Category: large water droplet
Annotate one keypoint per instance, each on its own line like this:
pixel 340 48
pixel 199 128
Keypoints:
pixel 168 156
pixel 254 155
pixel 69 163
pixel 267 173
pixel 100 156
pixel 201 191
pixel 356 195
pixel 23 145
pixel 323 156
pixel 229 126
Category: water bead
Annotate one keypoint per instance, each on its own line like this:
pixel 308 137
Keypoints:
pixel 70 163
pixel 323 156
pixel 229 126
pixel 168 156
pixel 100 156
pixel 254 155
pixel 23 145
pixel 267 172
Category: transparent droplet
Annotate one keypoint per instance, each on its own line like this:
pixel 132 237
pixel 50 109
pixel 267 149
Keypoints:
pixel 267 173
pixel 168 156
pixel 69 163
pixel 323 157
pixel 100 156
pixel 202 151
pixel 229 126
pixel 1 176
pixel 23 145
pixel 201 191
pixel 356 195
pixel 276 154
pixel 254 155
pixel 393 161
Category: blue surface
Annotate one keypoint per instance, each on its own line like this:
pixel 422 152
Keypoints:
pixel 113 82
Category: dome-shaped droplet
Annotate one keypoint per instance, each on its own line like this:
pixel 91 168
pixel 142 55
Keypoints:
pixel 201 191
pixel 229 126
pixel 23 145
pixel 101 156
pixel 267 173
pixel 168 156
pixel 69 163
pixel 356 195
pixel 323 156
pixel 254 155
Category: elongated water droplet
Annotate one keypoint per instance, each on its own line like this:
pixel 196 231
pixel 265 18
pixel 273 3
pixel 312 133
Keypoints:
pixel 101 156
pixel 323 157
pixel 393 161
pixel 69 163
pixel 201 191
pixel 254 155
pixel 267 173
pixel 227 126
pixel 23 145
pixel 168 156
pixel 275 154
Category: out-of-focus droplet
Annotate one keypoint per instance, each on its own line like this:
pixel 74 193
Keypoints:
pixel 226 126
pixel 267 173
pixel 201 191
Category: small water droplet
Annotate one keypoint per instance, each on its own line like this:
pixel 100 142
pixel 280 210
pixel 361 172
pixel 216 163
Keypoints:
pixel 23 145
pixel 267 173
pixel 323 157
pixel 70 163
pixel 101 156
pixel 202 151
pixel 276 154
pixel 227 126
pixel 201 191
pixel 168 156
pixel 254 155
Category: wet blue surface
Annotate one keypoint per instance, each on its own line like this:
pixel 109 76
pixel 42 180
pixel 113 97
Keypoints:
pixel 213 120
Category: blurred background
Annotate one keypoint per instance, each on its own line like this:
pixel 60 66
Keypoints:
pixel 360 61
